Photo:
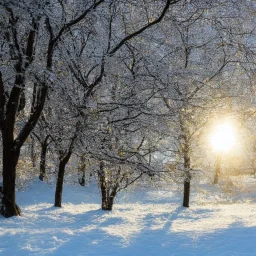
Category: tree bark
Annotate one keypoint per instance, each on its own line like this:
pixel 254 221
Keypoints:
pixel 11 151
pixel 59 184
pixel 107 200
pixel 187 177
pixel 111 200
pixel 186 193
pixel 103 187
pixel 10 159
pixel 107 197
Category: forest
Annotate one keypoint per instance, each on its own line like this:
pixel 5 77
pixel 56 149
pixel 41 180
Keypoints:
pixel 122 94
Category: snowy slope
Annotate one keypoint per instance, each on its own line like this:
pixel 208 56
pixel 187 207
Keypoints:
pixel 143 222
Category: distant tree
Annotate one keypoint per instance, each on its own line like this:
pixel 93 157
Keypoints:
pixel 42 134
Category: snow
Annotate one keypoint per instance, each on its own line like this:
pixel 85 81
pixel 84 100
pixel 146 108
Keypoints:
pixel 143 222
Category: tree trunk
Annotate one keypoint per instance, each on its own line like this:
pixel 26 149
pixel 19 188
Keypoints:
pixel 103 187
pixel 10 158
pixel 217 169
pixel 107 200
pixel 186 193
pixel 107 197
pixel 8 113
pixel 59 184
pixel 82 180
pixel 82 167
pixel 44 146
pixel 111 201
pixel 32 152
pixel 187 178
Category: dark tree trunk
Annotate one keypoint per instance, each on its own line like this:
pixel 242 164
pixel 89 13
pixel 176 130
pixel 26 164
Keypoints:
pixel 187 177
pixel 111 200
pixel 186 193
pixel 217 169
pixel 10 159
pixel 82 180
pixel 107 200
pixel 59 184
pixel 11 152
pixel 44 147
pixel 8 112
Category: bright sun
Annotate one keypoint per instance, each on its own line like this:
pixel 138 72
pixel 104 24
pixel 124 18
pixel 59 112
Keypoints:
pixel 223 137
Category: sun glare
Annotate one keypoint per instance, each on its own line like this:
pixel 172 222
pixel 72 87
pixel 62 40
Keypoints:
pixel 223 137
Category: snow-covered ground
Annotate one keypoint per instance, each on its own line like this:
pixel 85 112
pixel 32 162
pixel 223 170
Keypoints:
pixel 143 222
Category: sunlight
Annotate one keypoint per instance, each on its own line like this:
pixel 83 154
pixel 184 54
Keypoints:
pixel 223 137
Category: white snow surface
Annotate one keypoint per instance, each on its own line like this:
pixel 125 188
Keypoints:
pixel 144 221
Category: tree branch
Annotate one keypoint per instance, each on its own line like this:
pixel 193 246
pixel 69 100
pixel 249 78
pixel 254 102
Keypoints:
pixel 77 20
pixel 159 19
pixel 35 112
